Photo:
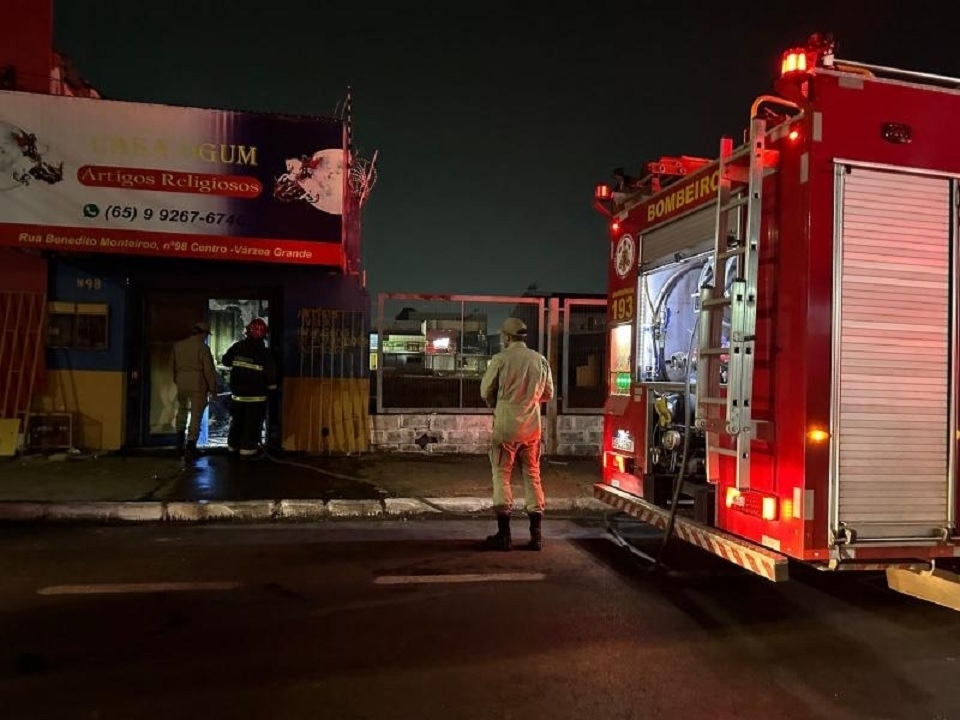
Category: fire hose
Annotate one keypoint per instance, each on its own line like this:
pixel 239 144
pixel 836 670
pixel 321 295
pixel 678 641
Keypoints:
pixel 678 483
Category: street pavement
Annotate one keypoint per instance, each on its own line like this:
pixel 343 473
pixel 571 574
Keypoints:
pixel 380 619
pixel 158 486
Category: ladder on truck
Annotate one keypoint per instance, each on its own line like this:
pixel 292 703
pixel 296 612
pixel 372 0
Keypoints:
pixel 740 189
pixel 22 319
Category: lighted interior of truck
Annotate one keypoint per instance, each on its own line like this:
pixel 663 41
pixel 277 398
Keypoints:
pixel 621 376
pixel 669 304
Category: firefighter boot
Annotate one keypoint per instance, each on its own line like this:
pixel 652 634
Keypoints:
pixel 181 438
pixel 191 453
pixel 501 540
pixel 536 533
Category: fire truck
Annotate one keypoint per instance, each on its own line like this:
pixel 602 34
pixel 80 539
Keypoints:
pixel 783 329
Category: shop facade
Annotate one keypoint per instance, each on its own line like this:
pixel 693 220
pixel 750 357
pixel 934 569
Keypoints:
pixel 124 224
pixel 112 323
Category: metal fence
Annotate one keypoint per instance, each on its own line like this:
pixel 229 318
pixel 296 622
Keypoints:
pixel 583 358
pixel 430 352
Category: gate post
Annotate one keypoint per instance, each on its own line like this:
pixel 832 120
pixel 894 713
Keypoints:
pixel 553 358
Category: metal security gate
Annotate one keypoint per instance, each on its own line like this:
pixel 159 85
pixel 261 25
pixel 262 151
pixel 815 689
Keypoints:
pixel 892 451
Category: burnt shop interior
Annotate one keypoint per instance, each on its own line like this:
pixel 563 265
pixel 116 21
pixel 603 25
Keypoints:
pixel 660 350
pixel 166 316
pixel 113 322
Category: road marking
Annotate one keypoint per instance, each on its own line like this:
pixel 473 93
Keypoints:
pixel 121 588
pixel 466 578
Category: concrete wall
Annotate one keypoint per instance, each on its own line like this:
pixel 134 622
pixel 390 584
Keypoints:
pixel 577 435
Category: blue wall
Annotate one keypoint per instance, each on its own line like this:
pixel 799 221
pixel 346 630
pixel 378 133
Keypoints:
pixel 293 287
pixel 90 284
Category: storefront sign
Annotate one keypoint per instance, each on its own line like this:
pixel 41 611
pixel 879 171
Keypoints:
pixel 131 242
pixel 101 176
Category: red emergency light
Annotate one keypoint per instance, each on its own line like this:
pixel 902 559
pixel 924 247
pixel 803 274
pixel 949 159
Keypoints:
pixel 602 192
pixel 793 61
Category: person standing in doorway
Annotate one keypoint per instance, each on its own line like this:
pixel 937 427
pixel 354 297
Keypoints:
pixel 196 379
pixel 516 382
pixel 253 375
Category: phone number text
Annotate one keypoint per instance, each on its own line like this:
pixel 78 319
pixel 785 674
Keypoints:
pixel 130 213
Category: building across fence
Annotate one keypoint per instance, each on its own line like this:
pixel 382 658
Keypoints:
pixel 429 354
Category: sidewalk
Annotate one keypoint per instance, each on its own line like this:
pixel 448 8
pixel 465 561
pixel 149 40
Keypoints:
pixel 160 487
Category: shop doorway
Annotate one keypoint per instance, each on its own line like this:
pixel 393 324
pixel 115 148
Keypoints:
pixel 228 318
pixel 169 318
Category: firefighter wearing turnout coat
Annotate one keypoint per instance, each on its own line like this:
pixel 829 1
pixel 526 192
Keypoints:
pixel 196 379
pixel 518 379
pixel 253 375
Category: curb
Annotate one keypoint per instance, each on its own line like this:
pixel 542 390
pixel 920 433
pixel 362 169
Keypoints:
pixel 269 510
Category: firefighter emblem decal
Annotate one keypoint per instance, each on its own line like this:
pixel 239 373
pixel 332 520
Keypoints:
pixel 624 256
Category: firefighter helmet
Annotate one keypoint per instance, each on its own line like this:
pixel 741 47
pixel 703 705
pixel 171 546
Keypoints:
pixel 257 329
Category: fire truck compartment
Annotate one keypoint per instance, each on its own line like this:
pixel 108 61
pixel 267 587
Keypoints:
pixel 676 263
pixel 681 238
pixel 894 374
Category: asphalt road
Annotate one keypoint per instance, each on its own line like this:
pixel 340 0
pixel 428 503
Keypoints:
pixel 406 620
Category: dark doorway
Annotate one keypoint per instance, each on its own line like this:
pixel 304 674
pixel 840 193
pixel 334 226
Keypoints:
pixel 169 318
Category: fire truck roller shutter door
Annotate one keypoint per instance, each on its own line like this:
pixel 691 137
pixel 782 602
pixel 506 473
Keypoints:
pixel 688 236
pixel 892 359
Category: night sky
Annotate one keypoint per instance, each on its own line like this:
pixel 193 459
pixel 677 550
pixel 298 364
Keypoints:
pixel 493 123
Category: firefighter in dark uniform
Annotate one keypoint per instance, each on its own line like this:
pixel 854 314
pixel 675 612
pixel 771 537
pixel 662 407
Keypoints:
pixel 253 375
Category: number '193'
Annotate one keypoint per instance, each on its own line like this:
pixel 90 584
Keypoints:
pixel 622 308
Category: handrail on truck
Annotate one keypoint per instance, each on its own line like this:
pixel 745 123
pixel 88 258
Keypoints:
pixel 772 100
pixel 837 64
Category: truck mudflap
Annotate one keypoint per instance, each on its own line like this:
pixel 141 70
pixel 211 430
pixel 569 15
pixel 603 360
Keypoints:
pixel 935 585
pixel 759 560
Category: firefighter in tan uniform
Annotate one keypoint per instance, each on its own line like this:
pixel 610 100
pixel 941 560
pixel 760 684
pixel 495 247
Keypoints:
pixel 196 380
pixel 517 381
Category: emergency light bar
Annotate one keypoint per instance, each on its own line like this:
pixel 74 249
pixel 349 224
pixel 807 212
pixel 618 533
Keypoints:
pixel 793 61
pixel 801 60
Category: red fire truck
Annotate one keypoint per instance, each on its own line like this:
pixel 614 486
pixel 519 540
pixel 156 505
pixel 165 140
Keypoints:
pixel 783 329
